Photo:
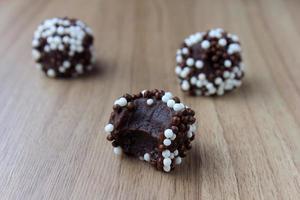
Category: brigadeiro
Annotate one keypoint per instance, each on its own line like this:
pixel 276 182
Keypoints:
pixel 210 63
pixel 63 47
pixel 154 126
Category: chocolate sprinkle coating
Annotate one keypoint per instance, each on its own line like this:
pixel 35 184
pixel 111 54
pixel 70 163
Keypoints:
pixel 210 63
pixel 153 127
pixel 63 47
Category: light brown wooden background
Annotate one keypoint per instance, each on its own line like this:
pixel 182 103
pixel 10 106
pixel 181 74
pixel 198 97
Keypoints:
pixel 52 143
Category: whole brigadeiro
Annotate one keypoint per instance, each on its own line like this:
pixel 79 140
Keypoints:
pixel 210 63
pixel 154 126
pixel 63 47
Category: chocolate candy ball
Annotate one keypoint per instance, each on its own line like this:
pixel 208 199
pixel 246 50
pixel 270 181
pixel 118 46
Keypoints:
pixel 63 47
pixel 153 126
pixel 210 63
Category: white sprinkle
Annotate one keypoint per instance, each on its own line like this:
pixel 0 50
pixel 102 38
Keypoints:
pixel 235 38
pixel 189 134
pixel 167 162
pixel 60 30
pixel 61 69
pixel 118 150
pixel 121 102
pixel 35 43
pixel 172 156
pixel 167 168
pixel 169 94
pixel 178 106
pixel 176 152
pixel 165 98
pixel 166 153
pixel 66 64
pixel 185 51
pixel 79 68
pixel 222 42
pixel 205 44
pixel 179 59
pixel 199 64
pixel 190 62
pixel 147 157
pixel 226 74
pixel 227 63
pixel 109 128
pixel 202 76
pixel 233 48
pixel 193 80
pixel 51 73
pixel 167 142
pixel 185 85
pixel 178 52
pixel 170 103
pixel 168 133
pixel 184 73
pixel 218 81
pixel 46 48
pixel 178 70
pixel 36 54
pixel 173 137
pixel 199 84
pixel 150 102
pixel 178 160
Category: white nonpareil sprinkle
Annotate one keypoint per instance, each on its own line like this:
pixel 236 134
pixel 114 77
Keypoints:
pixel 205 44
pixel 121 102
pixel 118 150
pixel 169 94
pixel 79 68
pixel 226 74
pixel 199 64
pixel 149 102
pixel 167 142
pixel 51 73
pixel 222 42
pixel 167 162
pixel 109 128
pixel 36 54
pixel 227 63
pixel 218 80
pixel 166 153
pixel 66 64
pixel 189 134
pixel 185 85
pixel 167 168
pixel 179 59
pixel 176 152
pixel 170 103
pixel 193 80
pixel 173 137
pixel 190 62
pixel 178 160
pixel 185 51
pixel 168 133
pixel 233 48
pixel 202 76
pixel 172 156
pixel 147 157
pixel 178 106
pixel 178 70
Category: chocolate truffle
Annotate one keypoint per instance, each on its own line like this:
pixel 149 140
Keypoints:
pixel 63 47
pixel 210 63
pixel 153 126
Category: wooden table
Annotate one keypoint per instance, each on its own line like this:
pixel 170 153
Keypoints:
pixel 52 143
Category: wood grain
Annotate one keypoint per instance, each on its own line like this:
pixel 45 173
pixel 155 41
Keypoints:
pixel 52 144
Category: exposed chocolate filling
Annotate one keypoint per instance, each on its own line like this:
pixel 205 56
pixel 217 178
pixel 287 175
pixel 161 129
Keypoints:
pixel 140 128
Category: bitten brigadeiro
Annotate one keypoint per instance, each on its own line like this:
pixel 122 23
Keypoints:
pixel 210 63
pixel 153 126
pixel 63 47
